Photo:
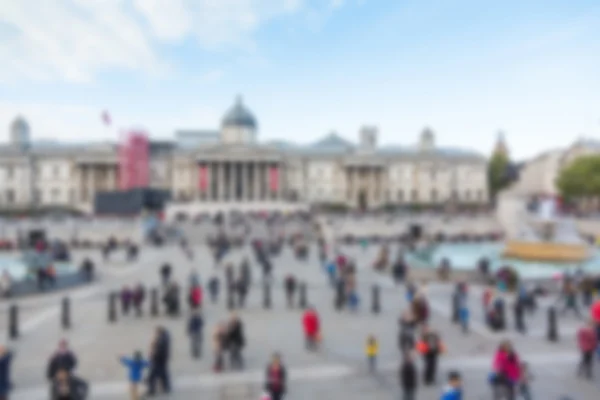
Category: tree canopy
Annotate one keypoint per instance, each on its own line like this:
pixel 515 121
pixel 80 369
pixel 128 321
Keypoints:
pixel 581 178
pixel 498 177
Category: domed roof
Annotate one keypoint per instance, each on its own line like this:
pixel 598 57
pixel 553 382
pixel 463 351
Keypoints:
pixel 239 116
pixel 19 124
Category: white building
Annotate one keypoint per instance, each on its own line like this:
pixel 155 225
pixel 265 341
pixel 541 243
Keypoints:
pixel 237 167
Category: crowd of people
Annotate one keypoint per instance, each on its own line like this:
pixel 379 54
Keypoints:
pixel 420 344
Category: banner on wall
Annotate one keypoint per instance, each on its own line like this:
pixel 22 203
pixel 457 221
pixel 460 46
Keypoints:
pixel 134 160
pixel 274 179
pixel 203 178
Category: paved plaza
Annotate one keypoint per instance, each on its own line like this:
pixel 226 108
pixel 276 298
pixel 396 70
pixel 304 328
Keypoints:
pixel 337 371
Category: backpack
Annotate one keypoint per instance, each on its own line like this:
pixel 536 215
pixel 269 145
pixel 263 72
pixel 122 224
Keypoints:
pixel 196 296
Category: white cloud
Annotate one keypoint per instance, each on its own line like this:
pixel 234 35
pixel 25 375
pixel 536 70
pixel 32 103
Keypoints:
pixel 212 76
pixel 70 40
pixel 73 40
pixel 337 3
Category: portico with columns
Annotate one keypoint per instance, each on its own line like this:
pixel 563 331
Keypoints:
pixel 239 179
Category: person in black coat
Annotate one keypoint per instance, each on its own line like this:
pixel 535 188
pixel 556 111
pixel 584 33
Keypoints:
pixel 6 358
pixel 290 290
pixel 276 378
pixel 65 386
pixel 160 353
pixel 62 359
pixel 165 274
pixel 408 377
pixel 236 341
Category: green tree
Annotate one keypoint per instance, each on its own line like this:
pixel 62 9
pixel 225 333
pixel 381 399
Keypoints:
pixel 498 177
pixel 580 179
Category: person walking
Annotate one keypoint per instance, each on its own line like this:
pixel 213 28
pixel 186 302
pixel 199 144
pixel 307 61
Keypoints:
pixel 195 329
pixel 372 349
pixel 431 347
pixel 569 297
pixel 135 366
pixel 195 297
pixel 213 288
pixel 507 371
pixel 165 274
pixel 126 299
pixel 408 376
pixel 220 346
pixel 453 389
pixel 6 357
pixel 66 386
pixel 290 290
pixel 408 325
pixel 159 359
pixel 311 326
pixel 63 358
pixel 588 343
pixel 236 340
pixel 276 378
pixel 463 308
pixel 525 382
pixel 139 294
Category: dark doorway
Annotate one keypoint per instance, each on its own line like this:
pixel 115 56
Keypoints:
pixel 362 200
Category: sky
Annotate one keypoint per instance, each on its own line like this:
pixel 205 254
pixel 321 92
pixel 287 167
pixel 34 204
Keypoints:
pixel 467 69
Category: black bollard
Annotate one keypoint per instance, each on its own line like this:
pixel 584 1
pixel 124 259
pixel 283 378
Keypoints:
pixel 552 325
pixel 66 313
pixel 303 300
pixel 339 296
pixel 376 305
pixel 112 307
pixel 13 322
pixel 154 302
pixel 266 295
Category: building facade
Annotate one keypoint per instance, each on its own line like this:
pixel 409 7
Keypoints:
pixel 232 165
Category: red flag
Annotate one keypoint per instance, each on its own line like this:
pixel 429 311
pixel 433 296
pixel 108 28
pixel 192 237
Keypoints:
pixel 106 118
pixel 274 179
pixel 203 177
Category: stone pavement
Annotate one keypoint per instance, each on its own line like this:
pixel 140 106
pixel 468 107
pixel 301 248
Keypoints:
pixel 337 371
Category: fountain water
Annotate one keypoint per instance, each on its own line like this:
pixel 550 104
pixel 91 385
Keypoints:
pixel 546 236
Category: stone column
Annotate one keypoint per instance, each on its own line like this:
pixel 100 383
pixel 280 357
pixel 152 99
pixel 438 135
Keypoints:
pixel 232 181
pixel 280 181
pixel 248 181
pixel 90 183
pixel 242 179
pixel 221 179
pixel 256 181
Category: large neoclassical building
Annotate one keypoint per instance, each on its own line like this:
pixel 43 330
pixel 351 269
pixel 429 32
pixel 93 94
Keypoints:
pixel 231 164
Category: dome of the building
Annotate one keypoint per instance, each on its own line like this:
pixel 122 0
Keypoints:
pixel 239 116
pixel 19 132
pixel 19 124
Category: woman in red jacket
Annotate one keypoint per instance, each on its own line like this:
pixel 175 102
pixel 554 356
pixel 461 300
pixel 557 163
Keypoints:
pixel 587 342
pixel 311 326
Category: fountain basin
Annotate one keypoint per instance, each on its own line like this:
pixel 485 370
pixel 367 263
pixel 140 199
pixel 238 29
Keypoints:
pixel 546 252
pixel 466 256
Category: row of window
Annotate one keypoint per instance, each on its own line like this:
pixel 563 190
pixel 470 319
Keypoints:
pixel 10 172
pixel 49 196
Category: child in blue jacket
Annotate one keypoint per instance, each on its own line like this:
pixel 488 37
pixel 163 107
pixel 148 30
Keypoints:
pixel 453 391
pixel 136 366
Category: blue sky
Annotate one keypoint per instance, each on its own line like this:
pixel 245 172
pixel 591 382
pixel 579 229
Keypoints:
pixel 465 68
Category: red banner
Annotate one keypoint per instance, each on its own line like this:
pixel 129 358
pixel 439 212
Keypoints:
pixel 274 179
pixel 134 161
pixel 203 178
